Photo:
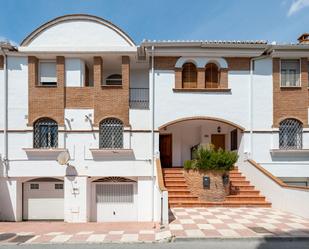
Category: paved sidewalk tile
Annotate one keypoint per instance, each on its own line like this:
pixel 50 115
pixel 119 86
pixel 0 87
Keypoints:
pixel 96 238
pixel 187 223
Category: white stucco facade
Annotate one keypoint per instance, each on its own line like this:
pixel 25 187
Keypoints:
pixel 246 106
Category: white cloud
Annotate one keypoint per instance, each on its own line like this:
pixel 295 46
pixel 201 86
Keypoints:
pixel 297 5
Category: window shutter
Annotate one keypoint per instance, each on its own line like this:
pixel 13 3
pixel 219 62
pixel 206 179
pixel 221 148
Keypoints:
pixel 48 72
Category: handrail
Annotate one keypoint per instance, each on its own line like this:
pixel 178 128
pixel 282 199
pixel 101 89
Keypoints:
pixel 274 178
pixel 160 176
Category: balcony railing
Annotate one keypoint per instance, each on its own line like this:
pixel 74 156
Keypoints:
pixel 139 98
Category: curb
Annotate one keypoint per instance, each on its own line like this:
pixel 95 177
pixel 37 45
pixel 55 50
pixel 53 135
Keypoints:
pixel 261 238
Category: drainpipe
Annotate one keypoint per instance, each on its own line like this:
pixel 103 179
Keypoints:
pixel 5 128
pixel 152 88
pixel 264 55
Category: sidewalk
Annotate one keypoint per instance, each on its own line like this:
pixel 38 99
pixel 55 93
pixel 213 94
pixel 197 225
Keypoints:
pixel 186 223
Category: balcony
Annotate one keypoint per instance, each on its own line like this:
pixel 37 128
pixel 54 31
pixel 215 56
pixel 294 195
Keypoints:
pixel 139 98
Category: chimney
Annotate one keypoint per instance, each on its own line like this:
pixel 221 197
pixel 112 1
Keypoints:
pixel 303 39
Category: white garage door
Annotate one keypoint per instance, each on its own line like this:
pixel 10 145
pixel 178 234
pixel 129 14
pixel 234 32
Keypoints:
pixel 43 201
pixel 116 202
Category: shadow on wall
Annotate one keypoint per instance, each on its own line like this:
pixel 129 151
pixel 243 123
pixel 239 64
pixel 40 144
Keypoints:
pixel 6 207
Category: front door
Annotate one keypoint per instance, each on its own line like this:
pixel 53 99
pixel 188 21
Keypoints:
pixel 166 150
pixel 218 140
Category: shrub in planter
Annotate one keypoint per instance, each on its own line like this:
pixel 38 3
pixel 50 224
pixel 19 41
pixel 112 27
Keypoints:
pixel 207 158
pixel 213 163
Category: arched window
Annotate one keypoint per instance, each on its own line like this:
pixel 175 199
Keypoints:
pixel 45 133
pixel 212 75
pixel 111 134
pixel 290 134
pixel 114 80
pixel 189 75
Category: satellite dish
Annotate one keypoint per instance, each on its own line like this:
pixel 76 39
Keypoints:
pixel 63 158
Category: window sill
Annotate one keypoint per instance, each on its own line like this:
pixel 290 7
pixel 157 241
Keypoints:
pixel 290 87
pixel 278 152
pixel 42 86
pixel 111 86
pixel 201 89
pixel 43 154
pixel 125 154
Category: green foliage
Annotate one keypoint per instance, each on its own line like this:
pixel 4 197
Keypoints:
pixel 207 158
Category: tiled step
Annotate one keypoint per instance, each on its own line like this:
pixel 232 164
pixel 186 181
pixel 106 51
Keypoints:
pixel 176 184
pixel 237 178
pixel 181 198
pixel 173 178
pixel 244 198
pixel 248 192
pixel 243 195
pixel 240 188
pixel 246 204
pixel 240 183
pixel 178 180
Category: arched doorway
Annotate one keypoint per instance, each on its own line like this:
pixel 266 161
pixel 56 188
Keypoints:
pixel 179 138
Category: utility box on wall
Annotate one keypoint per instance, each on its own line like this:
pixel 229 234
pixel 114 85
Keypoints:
pixel 206 182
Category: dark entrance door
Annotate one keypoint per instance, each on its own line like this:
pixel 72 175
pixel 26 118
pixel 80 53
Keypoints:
pixel 218 140
pixel 165 147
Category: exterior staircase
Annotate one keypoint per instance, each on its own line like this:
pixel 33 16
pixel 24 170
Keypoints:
pixel 243 194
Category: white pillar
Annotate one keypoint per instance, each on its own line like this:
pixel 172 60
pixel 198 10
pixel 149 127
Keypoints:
pixel 76 198
pixel 11 199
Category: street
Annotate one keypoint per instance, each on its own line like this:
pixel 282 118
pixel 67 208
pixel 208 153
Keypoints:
pixel 198 244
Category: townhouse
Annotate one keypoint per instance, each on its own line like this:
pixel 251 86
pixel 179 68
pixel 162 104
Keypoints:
pixel 78 86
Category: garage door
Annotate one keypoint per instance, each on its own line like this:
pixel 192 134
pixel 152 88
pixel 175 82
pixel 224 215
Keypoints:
pixel 116 202
pixel 43 201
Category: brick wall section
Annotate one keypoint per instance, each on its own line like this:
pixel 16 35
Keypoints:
pixel 216 192
pixel 111 101
pixel 1 62
pixel 45 101
pixel 178 78
pixel 238 64
pixel 201 78
pixel 79 97
pixel 290 102
pixel 224 78
pixel 164 63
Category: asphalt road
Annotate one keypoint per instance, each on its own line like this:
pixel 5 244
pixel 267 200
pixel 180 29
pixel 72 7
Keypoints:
pixel 196 244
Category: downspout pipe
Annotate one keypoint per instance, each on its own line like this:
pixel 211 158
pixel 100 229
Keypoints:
pixel 251 91
pixel 5 108
pixel 152 132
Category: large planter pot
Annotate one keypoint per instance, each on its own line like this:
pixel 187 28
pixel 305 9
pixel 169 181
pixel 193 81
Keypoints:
pixel 219 184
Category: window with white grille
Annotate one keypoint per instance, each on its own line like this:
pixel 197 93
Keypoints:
pixel 45 133
pixel 290 134
pixel 48 75
pixel 111 134
pixel 290 73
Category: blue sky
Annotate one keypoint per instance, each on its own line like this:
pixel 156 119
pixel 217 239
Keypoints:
pixel 272 20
